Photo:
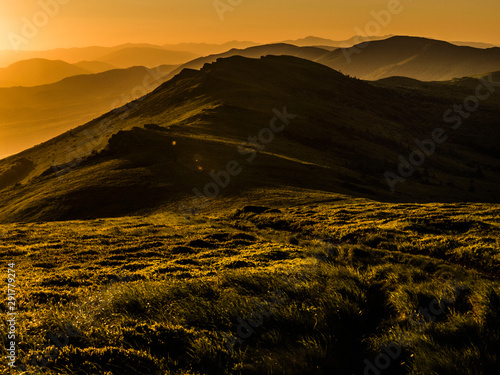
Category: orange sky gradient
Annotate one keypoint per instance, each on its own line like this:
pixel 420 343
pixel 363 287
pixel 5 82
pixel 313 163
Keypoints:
pixel 79 23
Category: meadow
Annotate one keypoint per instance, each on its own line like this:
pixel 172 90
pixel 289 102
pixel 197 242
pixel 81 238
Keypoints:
pixel 319 284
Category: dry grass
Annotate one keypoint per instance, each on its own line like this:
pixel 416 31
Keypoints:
pixel 335 282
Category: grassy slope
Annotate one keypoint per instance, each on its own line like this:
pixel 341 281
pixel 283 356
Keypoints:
pixel 159 294
pixel 346 135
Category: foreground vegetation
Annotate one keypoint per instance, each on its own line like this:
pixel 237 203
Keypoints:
pixel 347 286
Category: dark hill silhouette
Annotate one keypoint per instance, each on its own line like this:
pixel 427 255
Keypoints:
pixel 475 44
pixel 308 53
pixel 345 135
pixel 315 41
pixel 418 58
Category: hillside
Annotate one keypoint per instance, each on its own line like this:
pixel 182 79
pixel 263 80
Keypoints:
pixel 32 115
pixel 255 52
pixel 312 282
pixel 345 136
pixel 36 72
pixel 418 58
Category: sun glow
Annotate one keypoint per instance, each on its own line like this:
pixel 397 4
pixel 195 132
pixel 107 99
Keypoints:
pixel 58 23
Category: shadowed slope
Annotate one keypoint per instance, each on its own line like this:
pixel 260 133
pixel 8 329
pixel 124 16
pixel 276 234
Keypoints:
pixel 255 52
pixel 343 136
pixel 419 58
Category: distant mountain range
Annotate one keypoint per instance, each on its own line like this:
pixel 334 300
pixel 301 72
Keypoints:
pixel 75 55
pixel 331 132
pixel 206 48
pixel 38 72
pixel 418 58
pixel 123 56
pixel 309 53
pixel 146 56
pixel 31 115
pixel 322 42
pixel 35 72
pixel 95 66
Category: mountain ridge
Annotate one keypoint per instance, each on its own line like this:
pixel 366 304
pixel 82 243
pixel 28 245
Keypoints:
pixel 414 57
pixel 374 60
pixel 173 138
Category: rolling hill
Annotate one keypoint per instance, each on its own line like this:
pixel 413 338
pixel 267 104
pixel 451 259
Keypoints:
pixel 36 72
pixel 208 49
pixel 32 115
pixel 308 53
pixel 315 41
pixel 418 58
pixel 75 55
pixel 146 56
pixel 95 66
pixel 340 135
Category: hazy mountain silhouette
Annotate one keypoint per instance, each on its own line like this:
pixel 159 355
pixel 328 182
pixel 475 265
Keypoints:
pixel 345 135
pixel 208 49
pixel 95 66
pixel 37 72
pixel 70 55
pixel 146 56
pixel 308 53
pixel 419 58
pixel 76 55
pixel 31 115
pixel 315 41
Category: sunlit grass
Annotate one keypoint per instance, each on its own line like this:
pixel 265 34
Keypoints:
pixel 327 287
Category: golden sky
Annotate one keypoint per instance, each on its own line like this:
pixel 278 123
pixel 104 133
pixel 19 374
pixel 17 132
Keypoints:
pixel 76 23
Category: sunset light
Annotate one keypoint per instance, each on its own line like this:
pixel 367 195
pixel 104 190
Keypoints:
pixel 250 187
